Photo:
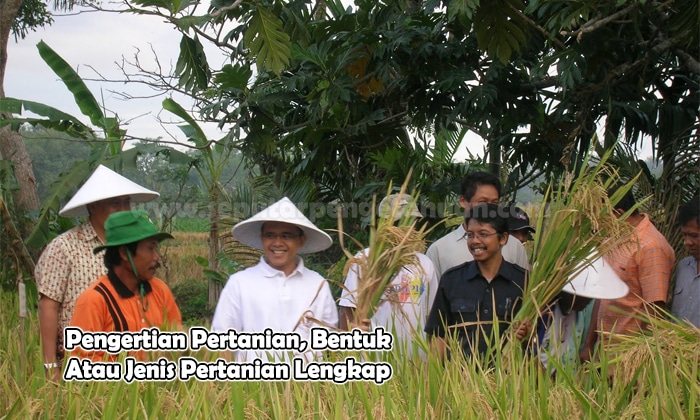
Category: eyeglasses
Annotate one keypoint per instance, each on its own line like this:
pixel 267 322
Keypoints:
pixel 285 236
pixel 471 235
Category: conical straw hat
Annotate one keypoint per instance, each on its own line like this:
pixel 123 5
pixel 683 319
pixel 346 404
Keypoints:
pixel 597 281
pixel 104 183
pixel 248 231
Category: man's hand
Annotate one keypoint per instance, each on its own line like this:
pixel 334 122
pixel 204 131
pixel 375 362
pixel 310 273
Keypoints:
pixel 522 330
pixel 363 325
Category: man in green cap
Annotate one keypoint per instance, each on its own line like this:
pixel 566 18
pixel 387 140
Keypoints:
pixel 129 297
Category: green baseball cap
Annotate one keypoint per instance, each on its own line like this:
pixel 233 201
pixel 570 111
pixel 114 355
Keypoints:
pixel 125 227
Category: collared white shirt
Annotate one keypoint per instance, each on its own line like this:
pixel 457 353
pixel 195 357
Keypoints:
pixel 451 250
pixel 262 297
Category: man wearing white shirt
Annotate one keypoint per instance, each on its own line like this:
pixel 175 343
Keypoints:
pixel 278 293
pixel 451 250
pixel 405 306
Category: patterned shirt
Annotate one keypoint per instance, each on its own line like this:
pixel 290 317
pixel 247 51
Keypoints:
pixel 66 268
pixel 405 307
pixel 645 265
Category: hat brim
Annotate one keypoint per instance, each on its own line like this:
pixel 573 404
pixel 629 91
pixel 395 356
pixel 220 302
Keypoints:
pixel 249 232
pixel 103 184
pixel 159 236
pixel 597 281
pixel 528 227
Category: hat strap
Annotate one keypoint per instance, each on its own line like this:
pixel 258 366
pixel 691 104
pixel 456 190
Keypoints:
pixel 142 291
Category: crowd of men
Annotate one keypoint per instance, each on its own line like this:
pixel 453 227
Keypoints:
pixel 468 286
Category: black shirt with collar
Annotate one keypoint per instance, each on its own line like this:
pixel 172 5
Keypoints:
pixel 465 296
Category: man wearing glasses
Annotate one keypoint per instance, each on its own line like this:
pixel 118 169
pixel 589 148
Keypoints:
pixel 474 296
pixel 279 293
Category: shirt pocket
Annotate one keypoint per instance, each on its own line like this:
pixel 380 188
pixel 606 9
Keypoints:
pixel 465 310
pixel 504 309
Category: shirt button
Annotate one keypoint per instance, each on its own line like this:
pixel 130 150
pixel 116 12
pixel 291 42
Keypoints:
pixel 486 311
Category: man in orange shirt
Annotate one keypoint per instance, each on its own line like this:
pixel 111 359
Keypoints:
pixel 68 266
pixel 645 264
pixel 129 297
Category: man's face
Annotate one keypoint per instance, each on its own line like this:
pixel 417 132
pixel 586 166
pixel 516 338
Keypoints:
pixel 147 258
pixel 691 238
pixel 100 210
pixel 485 194
pixel 521 235
pixel 483 241
pixel 281 241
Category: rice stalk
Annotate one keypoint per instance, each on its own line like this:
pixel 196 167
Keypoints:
pixel 390 248
pixel 575 227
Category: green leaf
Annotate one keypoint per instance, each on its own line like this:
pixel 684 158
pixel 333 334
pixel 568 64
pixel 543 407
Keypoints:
pixel 233 77
pixel 193 131
pixel 83 97
pixel 57 119
pixel 267 43
pixel 192 66
pixel 185 23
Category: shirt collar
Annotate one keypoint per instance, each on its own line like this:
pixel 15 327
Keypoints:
pixel 86 232
pixel 462 232
pixel 268 271
pixel 506 271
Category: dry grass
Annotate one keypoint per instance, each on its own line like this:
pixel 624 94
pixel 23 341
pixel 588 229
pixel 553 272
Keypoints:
pixel 180 257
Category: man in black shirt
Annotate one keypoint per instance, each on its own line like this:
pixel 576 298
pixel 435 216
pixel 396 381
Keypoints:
pixel 470 294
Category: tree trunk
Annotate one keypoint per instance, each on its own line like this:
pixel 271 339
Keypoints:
pixel 214 245
pixel 12 147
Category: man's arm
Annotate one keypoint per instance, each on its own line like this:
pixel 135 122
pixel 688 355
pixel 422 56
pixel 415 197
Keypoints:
pixel 48 328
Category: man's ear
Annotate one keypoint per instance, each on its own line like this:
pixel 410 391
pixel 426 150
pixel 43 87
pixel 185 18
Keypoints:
pixel 504 238
pixel 462 202
pixel 122 253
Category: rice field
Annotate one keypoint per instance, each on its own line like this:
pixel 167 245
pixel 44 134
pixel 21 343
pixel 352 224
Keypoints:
pixel 179 257
pixel 657 377
pixel 652 375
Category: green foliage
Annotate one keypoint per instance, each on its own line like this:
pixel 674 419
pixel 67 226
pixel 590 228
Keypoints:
pixel 31 15
pixel 52 152
pixel 267 42
pixel 191 297
pixel 192 67
pixel 190 224
pixel 498 29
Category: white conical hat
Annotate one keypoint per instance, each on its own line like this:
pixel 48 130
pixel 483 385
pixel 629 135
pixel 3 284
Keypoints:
pixel 248 231
pixel 105 183
pixel 597 281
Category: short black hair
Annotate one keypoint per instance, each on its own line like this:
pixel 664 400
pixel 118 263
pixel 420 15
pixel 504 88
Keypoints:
pixel 493 214
pixel 626 202
pixel 472 181
pixel 689 211
pixel 113 258
pixel 301 231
